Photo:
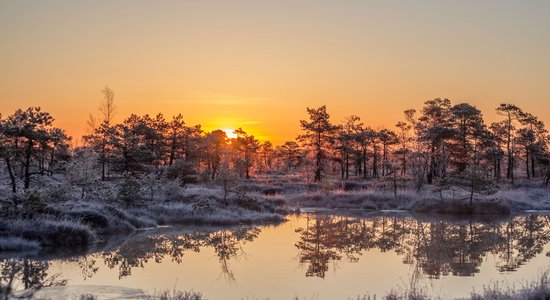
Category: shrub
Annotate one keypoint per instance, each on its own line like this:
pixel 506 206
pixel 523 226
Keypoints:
pixel 129 192
pixel 183 171
pixel 33 203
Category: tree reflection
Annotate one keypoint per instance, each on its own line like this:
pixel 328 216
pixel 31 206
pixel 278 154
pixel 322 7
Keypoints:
pixel 24 274
pixel 319 244
pixel 227 244
pixel 437 247
pixel 138 251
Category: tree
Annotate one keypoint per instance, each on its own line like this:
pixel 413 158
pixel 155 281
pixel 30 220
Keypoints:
pixel 511 114
pixel 192 144
pixel 246 146
pixel 533 139
pixel 290 154
pixel 101 140
pixel 129 191
pixel 8 148
pixel 387 138
pixel 79 171
pixel 373 138
pixel 139 142
pixel 28 129
pixel 176 130
pixel 467 122
pixel 214 144
pixel 404 140
pixel 107 107
pixel 420 156
pixel 266 150
pixel 318 137
pixel 435 128
pixel 363 137
pixel 497 136
pixel 58 147
pixel 101 137
pixel 346 139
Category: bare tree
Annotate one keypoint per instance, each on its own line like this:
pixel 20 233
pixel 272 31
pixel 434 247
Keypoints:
pixel 107 107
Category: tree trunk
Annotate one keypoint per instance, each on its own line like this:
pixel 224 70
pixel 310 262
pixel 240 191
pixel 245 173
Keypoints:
pixel 318 159
pixel 52 155
pixel 374 162
pixel 508 148
pixel 499 167
pixel 384 158
pixel 27 166
pixel 432 166
pixel 527 164
pixel 12 177
pixel 365 162
pixel 103 160
pixel 172 153
pixel 404 162
pixel 347 165
pixel 533 174
pixel 471 195
pixel 247 169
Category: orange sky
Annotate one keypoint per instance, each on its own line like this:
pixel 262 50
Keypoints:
pixel 259 64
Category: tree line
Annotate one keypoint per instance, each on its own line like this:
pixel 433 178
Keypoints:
pixel 440 144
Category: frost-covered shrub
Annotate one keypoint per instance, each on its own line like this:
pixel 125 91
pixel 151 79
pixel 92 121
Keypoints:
pixel 242 199
pixel 195 193
pixel 9 205
pixel 203 206
pixel 102 192
pixel 183 171
pixel 58 192
pixel 129 192
pixel 33 203
pixel 172 191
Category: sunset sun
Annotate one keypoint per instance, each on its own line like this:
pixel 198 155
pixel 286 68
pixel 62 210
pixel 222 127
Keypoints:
pixel 230 133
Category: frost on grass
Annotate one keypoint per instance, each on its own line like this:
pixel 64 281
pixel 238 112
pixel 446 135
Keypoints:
pixel 111 292
pixel 46 215
pixel 51 233
pixel 17 244
pixel 33 220
pixel 539 289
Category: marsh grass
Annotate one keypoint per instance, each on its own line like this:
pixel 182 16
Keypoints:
pixel 79 225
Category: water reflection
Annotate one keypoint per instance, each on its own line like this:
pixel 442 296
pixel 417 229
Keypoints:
pixel 25 274
pixel 436 247
pixel 139 250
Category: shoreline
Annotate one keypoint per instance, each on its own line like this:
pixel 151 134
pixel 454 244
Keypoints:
pixel 43 223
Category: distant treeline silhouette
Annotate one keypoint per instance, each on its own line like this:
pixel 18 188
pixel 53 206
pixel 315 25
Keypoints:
pixel 442 144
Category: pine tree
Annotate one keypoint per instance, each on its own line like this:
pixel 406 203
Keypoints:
pixel 318 137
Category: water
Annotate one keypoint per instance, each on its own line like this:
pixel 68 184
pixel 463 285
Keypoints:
pixel 312 256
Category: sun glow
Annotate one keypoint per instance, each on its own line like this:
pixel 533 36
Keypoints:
pixel 230 133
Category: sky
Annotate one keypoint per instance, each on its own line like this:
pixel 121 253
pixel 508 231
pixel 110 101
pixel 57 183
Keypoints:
pixel 258 64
